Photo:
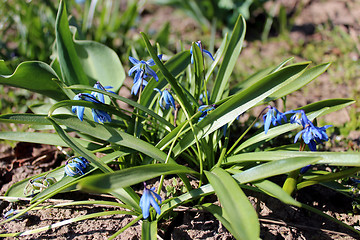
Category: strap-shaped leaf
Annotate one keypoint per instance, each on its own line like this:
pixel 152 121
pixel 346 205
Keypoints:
pixel 130 176
pixel 231 55
pixel 331 158
pixel 240 214
pixel 71 68
pixel 33 76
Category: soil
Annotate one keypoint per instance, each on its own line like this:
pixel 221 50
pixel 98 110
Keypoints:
pixel 278 220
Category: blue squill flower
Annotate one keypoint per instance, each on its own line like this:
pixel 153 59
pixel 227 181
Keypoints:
pixel 205 109
pixel 313 135
pixel 147 199
pixel 202 97
pixel 142 65
pixel 98 115
pixel 75 166
pixel 202 50
pixel 139 80
pixel 298 117
pixel 166 98
pixel 274 117
pixel 100 96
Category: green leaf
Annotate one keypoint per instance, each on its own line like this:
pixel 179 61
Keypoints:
pixel 276 191
pixel 43 138
pixel 240 214
pixel 199 69
pixel 149 230
pixel 331 158
pixel 329 177
pixel 241 102
pixel 33 76
pixel 301 81
pixel 100 63
pixel 106 133
pixel 274 168
pixel 130 176
pixel 230 58
pixel 71 68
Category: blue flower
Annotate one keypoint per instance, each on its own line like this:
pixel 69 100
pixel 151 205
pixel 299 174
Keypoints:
pixel 98 115
pixel 313 135
pixel 202 50
pixel 205 109
pixel 75 166
pixel 202 97
pixel 298 117
pixel 148 199
pixel 273 116
pixel 100 96
pixel 140 66
pixel 138 81
pixel 167 98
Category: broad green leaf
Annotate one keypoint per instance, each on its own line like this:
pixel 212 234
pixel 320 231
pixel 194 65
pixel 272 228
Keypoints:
pixel 240 213
pixel 312 111
pixel 329 177
pixel 276 191
pixel 241 102
pixel 34 76
pixel 130 176
pixel 106 133
pixel 198 68
pixel 331 158
pixel 231 55
pixel 274 168
pixel 149 230
pixel 220 215
pixel 169 77
pixel 25 118
pixel 43 138
pixel 301 81
pixel 100 63
pixel 71 68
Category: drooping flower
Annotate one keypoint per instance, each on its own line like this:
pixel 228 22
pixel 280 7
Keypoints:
pixel 202 97
pixel 100 96
pixel 98 115
pixel 142 65
pixel 166 98
pixel 202 50
pixel 298 117
pixel 147 199
pixel 139 81
pixel 205 109
pixel 274 117
pixel 313 135
pixel 76 166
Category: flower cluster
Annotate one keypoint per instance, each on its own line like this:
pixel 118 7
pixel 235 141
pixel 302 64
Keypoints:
pixel 95 97
pixel 142 70
pixel 311 134
pixel 76 166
